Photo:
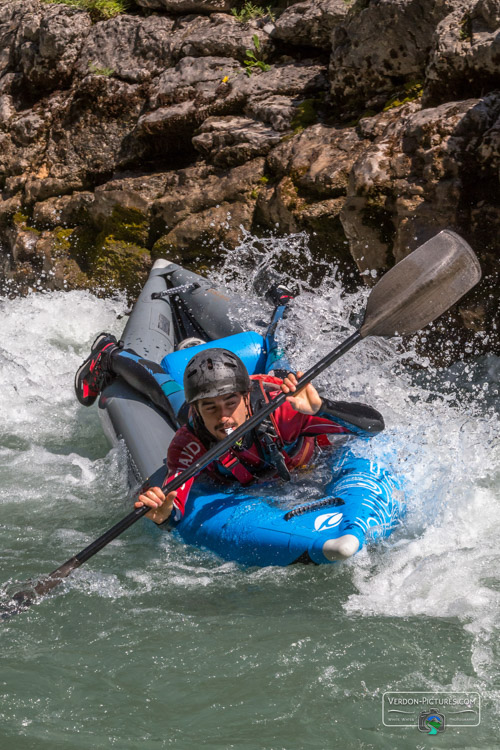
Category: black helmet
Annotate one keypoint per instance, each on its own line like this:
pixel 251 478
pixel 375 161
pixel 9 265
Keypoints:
pixel 214 372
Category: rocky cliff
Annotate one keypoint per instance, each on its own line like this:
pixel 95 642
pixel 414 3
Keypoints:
pixel 165 130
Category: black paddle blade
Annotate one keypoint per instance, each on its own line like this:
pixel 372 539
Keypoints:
pixel 8 612
pixel 421 287
pixel 25 598
pixel 19 602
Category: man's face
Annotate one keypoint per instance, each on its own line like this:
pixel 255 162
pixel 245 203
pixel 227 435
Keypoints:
pixel 222 412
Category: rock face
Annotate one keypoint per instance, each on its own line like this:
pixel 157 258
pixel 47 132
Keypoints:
pixel 465 56
pixel 186 6
pixel 369 124
pixel 311 23
pixel 415 178
pixel 382 44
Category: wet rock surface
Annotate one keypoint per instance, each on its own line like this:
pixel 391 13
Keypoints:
pixel 370 124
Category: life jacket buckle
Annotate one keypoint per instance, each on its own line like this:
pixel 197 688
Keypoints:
pixel 275 456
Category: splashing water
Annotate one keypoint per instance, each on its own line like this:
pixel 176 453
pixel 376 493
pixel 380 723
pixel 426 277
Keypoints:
pixel 445 560
pixel 295 657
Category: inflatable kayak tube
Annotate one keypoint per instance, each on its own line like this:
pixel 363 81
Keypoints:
pixel 361 502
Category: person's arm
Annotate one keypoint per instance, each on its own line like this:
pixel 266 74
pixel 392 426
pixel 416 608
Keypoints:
pixel 182 452
pixel 358 419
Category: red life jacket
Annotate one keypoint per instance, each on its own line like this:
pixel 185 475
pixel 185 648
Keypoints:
pixel 268 432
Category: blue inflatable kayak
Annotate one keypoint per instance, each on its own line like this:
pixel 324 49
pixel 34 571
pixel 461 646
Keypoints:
pixel 362 502
pixel 353 501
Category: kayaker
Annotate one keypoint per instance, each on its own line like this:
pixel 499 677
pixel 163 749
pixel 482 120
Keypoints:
pixel 222 396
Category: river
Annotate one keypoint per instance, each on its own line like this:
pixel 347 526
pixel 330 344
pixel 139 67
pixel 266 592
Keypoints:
pixel 155 645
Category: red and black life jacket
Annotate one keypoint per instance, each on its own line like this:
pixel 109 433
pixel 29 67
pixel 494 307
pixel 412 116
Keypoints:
pixel 266 438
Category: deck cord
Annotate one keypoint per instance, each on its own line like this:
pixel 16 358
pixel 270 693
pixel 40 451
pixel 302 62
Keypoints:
pixel 175 290
pixel 313 506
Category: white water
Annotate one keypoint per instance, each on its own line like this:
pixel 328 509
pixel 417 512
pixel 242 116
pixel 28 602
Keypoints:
pixel 446 560
pixel 440 570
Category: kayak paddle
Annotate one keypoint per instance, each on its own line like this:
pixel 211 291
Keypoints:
pixel 409 296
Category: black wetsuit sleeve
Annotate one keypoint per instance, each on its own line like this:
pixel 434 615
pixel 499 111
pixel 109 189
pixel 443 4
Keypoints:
pixel 358 418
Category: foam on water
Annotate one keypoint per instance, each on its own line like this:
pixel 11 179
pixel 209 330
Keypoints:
pixel 442 436
pixel 44 337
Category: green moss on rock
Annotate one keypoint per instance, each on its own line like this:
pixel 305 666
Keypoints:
pixel 296 173
pixel 20 221
pixel 128 225
pixel 191 256
pixel 412 90
pixel 197 256
pixel 99 10
pixel 62 242
pixel 77 243
pixel 120 265
pixel 306 114
pixel 83 245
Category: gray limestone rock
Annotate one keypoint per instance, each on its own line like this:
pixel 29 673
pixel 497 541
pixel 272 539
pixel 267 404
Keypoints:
pixel 22 147
pixel 183 97
pixel 381 45
pixel 311 23
pixel 137 193
pixel 203 207
pixel 24 245
pixel 489 11
pixel 308 183
pixel 465 59
pixel 207 78
pixel 278 111
pixel 285 79
pixel 87 137
pixel 197 79
pixel 15 15
pixel 62 211
pixel 283 206
pixel 199 235
pixel 187 6
pixel 128 47
pixel 198 188
pixel 423 174
pixel 228 141
pixel 319 160
pixel 47 47
pixel 220 35
pixel 27 127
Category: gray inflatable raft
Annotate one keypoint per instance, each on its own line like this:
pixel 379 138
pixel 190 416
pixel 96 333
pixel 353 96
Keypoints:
pixel 173 305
